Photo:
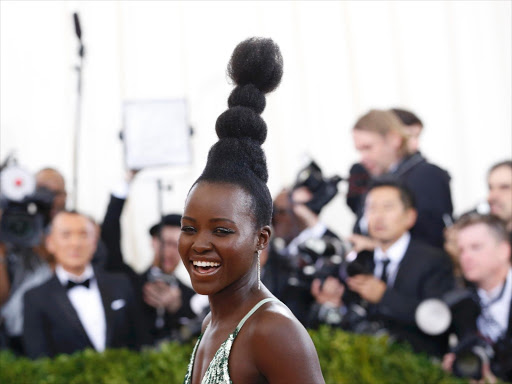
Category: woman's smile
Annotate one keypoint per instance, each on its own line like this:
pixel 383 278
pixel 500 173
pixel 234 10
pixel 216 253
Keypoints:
pixel 204 268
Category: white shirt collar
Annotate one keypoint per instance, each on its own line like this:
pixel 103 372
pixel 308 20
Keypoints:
pixel 396 252
pixel 64 276
pixel 487 297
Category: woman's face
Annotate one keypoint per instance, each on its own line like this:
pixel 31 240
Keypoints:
pixel 218 238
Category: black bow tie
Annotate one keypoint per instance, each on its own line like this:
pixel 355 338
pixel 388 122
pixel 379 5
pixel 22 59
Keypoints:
pixel 72 284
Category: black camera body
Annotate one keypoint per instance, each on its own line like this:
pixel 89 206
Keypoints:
pixel 316 259
pixel 23 222
pixel 355 316
pixel 473 351
pixel 323 189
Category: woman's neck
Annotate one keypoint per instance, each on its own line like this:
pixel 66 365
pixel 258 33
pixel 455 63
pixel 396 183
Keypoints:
pixel 233 301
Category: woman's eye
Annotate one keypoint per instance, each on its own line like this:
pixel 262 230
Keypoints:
pixel 223 231
pixel 187 229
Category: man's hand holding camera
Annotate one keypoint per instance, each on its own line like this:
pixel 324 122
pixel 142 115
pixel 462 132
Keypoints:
pixel 159 294
pixel 331 291
pixel 300 197
pixel 362 243
pixel 487 375
pixel 368 287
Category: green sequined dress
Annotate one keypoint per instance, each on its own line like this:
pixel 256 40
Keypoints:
pixel 218 370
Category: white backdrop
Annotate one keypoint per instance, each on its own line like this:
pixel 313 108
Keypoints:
pixel 448 61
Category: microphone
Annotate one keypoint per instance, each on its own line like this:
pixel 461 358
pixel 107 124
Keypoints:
pixel 78 30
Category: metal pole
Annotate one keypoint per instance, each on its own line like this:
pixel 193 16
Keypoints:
pixel 78 113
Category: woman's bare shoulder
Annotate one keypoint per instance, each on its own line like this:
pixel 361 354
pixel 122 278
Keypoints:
pixel 277 336
pixel 276 320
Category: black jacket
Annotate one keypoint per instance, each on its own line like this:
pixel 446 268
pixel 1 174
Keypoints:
pixel 424 272
pixel 52 326
pixel 111 236
pixel 430 186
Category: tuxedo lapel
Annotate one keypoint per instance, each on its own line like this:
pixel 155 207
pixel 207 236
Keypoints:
pixel 509 329
pixel 406 266
pixel 61 300
pixel 106 299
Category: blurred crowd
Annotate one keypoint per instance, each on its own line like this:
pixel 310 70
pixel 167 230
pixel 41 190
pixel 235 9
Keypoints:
pixel 410 269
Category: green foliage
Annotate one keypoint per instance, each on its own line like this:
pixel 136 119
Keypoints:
pixel 345 358
pixel 350 358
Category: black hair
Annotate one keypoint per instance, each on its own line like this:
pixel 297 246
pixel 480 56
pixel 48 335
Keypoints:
pixel 406 196
pixel 256 68
pixel 171 220
pixel 407 117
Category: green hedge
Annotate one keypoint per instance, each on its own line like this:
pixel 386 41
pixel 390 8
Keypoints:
pixel 345 358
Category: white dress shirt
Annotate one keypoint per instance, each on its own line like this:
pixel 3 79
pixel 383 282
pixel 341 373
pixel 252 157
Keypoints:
pixel 493 321
pixel 88 305
pixel 395 254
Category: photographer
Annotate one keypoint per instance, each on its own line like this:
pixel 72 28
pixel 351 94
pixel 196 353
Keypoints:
pixel 165 301
pixel 360 178
pixel 384 286
pixel 294 222
pixel 383 143
pixel 485 263
pixel 22 264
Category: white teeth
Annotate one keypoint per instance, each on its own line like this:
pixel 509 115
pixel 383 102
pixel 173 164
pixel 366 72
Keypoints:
pixel 205 264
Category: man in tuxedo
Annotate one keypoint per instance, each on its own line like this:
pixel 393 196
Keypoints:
pixel 391 281
pixel 485 263
pixel 80 306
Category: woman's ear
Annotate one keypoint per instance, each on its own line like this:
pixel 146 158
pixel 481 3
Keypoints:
pixel 264 237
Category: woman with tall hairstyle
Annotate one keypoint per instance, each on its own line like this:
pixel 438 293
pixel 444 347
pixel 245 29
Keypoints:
pixel 249 336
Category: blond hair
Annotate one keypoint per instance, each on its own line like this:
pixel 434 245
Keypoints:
pixel 383 122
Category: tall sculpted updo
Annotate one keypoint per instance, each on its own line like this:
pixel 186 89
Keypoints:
pixel 256 68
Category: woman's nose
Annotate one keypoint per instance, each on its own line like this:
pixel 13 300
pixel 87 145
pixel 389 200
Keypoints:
pixel 202 245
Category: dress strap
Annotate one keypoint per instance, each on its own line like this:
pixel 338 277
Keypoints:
pixel 254 309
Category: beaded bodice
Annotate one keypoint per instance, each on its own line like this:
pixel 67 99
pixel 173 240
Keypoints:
pixel 218 369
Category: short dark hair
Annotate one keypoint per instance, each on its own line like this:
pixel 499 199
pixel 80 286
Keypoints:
pixel 406 196
pixel 171 220
pixel 504 163
pixel 497 226
pixel 407 117
pixel 256 67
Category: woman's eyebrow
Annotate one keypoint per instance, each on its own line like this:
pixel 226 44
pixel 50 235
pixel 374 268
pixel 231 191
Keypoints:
pixel 188 218
pixel 221 219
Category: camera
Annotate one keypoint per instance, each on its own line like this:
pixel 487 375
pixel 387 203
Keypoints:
pixel 317 258
pixel 156 274
pixel 25 208
pixel 323 189
pixel 357 316
pixel 460 309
